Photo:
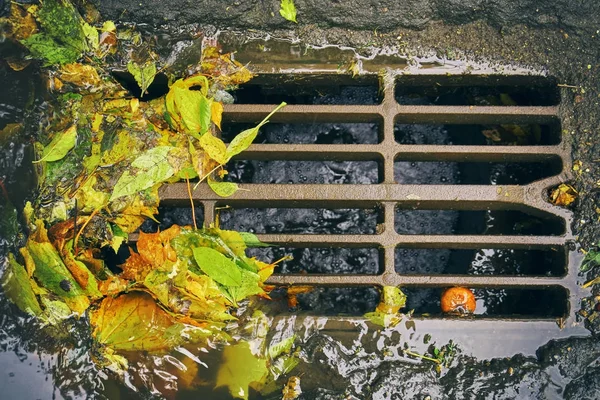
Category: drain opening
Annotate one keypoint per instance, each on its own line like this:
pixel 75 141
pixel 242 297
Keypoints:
pixel 309 133
pixel 476 222
pixel 304 172
pixel 548 302
pixel 477 91
pixel 478 135
pixel 509 262
pixel 301 220
pixel 169 216
pixel 309 89
pixel 322 260
pixel 474 173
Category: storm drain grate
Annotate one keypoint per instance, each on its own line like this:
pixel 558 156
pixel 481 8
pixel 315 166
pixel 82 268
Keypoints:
pixel 472 112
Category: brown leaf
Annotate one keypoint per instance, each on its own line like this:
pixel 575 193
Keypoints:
pixel 563 195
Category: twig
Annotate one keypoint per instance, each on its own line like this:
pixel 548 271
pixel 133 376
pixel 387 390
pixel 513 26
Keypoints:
pixel 83 227
pixel 567 86
pixel 189 189
pixel 410 353
pixel 206 176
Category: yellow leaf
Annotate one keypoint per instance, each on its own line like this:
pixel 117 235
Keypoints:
pixel 217 113
pixel 563 195
pixel 84 76
pixel 214 147
pixel 239 369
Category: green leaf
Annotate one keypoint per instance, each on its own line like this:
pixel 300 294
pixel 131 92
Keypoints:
pixel 288 10
pixel 152 167
pixel 239 369
pixel 249 286
pixel 92 36
pixel 285 346
pixel 243 140
pixel 61 20
pixel 223 189
pixel 60 145
pixel 252 240
pixel 143 74
pixel 220 268
pixel 17 287
pixel 43 47
pixel 52 274
pixel 214 147
pixel 205 114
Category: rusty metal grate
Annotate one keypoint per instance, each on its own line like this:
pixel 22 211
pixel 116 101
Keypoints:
pixel 388 106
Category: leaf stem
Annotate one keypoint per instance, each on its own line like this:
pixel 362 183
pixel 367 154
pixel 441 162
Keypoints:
pixel 410 353
pixel 189 189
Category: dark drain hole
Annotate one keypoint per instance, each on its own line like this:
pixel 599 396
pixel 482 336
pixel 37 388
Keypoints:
pixel 505 134
pixel 331 301
pixel 169 216
pixel 474 173
pixel 483 222
pixel 477 91
pixel 548 302
pixel 309 133
pixel 301 220
pixel 550 262
pixel 322 260
pixel 304 172
pixel 309 89
pixel 158 88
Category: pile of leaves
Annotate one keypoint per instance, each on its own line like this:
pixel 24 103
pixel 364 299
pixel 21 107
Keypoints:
pixel 102 155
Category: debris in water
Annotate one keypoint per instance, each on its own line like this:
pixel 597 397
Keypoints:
pixel 458 300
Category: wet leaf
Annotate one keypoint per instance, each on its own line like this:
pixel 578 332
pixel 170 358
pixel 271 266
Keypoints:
pixel 143 74
pixel 393 300
pixel 252 240
pixel 17 287
pixel 285 346
pixel 223 189
pixel 288 10
pixel 80 272
pixel 239 369
pixel 243 140
pixel 60 145
pixel 249 286
pixel 44 47
pixel 61 20
pixel 216 113
pixel 563 195
pixel 156 248
pixel 84 76
pixel 22 23
pixel 214 148
pixel 132 321
pixel 48 268
pixel 152 168
pixel 205 114
pixel 591 260
pixel 217 266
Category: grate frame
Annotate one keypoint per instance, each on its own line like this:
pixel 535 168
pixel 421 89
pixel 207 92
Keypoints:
pixel 388 194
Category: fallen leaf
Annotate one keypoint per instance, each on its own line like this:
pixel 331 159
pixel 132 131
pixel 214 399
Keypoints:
pixel 563 195
pixel 152 167
pixel 60 145
pixel 223 189
pixel 216 113
pixel 143 74
pixel 132 321
pixel 243 140
pixel 239 369
pixel 84 76
pixel 217 266
pixel 214 148
pixel 17 287
pixel 288 10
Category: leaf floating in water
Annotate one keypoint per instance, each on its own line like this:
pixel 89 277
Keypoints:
pixel 143 74
pixel 240 369
pixel 60 145
pixel 288 10
pixel 217 266
pixel 132 321
pixel 17 287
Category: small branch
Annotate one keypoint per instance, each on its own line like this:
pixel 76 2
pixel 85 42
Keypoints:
pixel 410 353
pixel 567 86
pixel 83 227
pixel 189 189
